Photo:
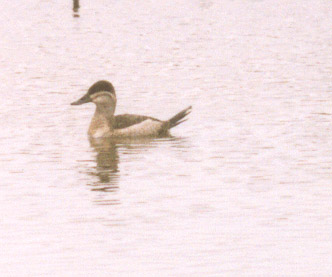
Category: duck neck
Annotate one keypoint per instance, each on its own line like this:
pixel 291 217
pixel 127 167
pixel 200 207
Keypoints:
pixel 105 109
pixel 102 121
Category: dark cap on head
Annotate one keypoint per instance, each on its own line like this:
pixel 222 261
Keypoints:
pixel 96 87
pixel 101 86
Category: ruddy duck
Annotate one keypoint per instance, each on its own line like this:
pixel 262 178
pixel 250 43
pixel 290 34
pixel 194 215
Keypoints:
pixel 105 124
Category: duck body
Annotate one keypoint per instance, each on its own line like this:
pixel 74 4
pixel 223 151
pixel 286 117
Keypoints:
pixel 126 125
pixel 105 124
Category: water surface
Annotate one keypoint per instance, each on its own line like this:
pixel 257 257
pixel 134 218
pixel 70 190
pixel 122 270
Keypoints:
pixel 243 188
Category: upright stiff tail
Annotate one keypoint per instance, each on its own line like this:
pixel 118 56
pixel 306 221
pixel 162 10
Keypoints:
pixel 179 117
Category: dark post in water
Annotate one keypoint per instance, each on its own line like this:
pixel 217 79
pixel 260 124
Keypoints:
pixel 76 6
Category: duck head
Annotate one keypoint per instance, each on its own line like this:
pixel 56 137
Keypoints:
pixel 101 92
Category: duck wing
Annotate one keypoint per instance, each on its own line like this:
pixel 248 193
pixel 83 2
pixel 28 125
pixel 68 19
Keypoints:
pixel 126 120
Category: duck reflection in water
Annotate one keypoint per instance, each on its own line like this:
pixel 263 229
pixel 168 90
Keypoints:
pixel 107 160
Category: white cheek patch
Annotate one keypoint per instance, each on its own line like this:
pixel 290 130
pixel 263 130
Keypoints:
pixel 102 93
pixel 102 96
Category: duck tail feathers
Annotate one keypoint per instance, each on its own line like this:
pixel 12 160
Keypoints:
pixel 179 117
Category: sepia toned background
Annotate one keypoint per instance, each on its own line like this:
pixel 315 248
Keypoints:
pixel 243 188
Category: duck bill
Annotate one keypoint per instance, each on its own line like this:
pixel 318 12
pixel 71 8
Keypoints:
pixel 85 99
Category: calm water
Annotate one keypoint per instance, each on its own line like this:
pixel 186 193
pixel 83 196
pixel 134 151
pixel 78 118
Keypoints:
pixel 243 188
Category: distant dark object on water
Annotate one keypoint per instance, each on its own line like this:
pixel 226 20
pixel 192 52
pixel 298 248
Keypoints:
pixel 76 6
